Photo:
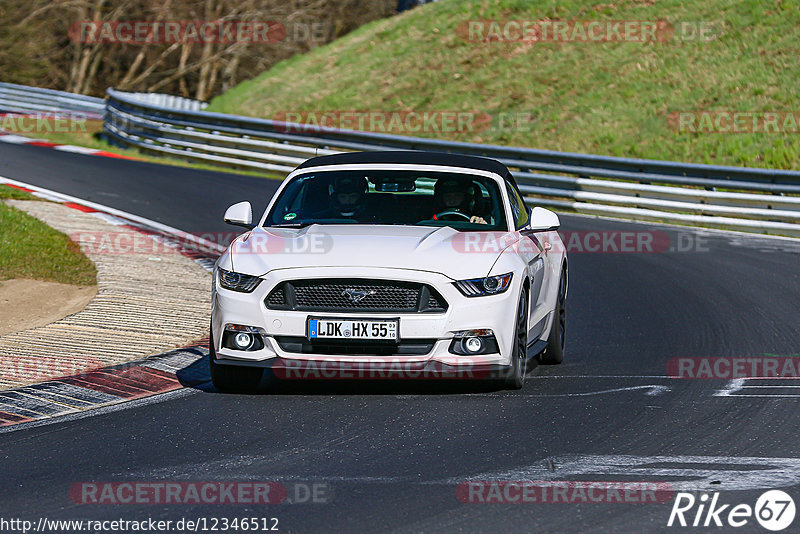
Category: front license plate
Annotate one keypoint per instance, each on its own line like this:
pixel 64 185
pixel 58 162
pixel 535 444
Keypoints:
pixel 353 329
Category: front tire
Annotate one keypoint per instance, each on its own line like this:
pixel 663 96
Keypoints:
pixel 514 375
pixel 553 354
pixel 230 378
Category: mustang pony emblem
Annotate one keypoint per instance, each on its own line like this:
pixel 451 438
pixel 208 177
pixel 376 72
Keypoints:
pixel 356 295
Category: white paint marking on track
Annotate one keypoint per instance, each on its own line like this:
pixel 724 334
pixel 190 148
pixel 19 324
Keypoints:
pixel 17 139
pixel 730 388
pixel 775 396
pixel 769 387
pixel 740 387
pixel 76 149
pixel 730 472
pixel 603 376
pixel 110 219
pixel 46 196
pixel 653 390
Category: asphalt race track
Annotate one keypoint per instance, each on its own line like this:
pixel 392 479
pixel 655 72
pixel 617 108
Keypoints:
pixel 390 457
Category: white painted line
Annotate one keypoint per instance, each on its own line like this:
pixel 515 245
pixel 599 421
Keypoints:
pixel 731 387
pixel 110 219
pixel 776 396
pixel 770 387
pixel 737 388
pixel 17 139
pixel 119 213
pixel 773 377
pixel 604 376
pixel 76 149
pixel 736 473
pixel 653 390
pixel 46 196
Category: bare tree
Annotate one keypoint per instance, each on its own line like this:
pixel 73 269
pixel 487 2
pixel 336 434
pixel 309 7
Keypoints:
pixel 38 48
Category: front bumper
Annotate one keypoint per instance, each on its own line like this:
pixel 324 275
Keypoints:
pixel 495 312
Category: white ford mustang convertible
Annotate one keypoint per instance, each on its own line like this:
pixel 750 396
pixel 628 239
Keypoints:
pixel 394 264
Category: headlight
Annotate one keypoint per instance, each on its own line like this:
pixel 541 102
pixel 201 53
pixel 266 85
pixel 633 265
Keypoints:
pixel 243 283
pixel 478 287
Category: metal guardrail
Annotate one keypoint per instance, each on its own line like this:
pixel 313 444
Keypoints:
pixel 755 200
pixel 168 101
pixel 23 99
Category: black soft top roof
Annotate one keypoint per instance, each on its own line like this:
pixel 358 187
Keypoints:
pixel 410 157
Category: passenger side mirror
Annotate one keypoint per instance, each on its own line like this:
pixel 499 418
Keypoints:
pixel 240 214
pixel 544 220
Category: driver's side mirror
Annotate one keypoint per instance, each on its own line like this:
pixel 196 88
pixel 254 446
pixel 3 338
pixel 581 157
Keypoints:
pixel 240 214
pixel 544 220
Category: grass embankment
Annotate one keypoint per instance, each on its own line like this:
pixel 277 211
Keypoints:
pixel 604 98
pixel 31 249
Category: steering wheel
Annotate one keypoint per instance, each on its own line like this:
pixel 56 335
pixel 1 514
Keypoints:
pixel 445 213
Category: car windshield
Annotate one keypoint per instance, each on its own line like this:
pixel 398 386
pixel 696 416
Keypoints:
pixel 462 201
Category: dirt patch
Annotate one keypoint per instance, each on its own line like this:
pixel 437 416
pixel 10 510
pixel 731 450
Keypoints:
pixel 27 304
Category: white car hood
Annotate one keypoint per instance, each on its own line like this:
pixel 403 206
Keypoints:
pixel 424 248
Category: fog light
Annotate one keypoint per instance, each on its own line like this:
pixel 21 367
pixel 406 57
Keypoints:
pixel 473 344
pixel 242 337
pixel 243 340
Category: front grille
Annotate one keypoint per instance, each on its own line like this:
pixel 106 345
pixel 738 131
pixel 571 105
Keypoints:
pixel 355 295
pixel 301 345
pixel 435 302
pixel 276 298
pixel 380 296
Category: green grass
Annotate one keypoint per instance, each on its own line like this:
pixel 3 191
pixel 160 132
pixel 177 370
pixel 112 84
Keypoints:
pixel 31 249
pixel 601 98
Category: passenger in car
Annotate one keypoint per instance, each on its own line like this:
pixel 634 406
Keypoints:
pixel 347 199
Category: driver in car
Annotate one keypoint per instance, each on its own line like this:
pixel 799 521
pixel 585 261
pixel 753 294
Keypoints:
pixel 455 197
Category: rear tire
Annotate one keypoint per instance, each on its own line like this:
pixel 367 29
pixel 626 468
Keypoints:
pixel 514 375
pixel 553 354
pixel 232 378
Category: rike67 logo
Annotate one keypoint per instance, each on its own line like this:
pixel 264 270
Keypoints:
pixel 774 510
